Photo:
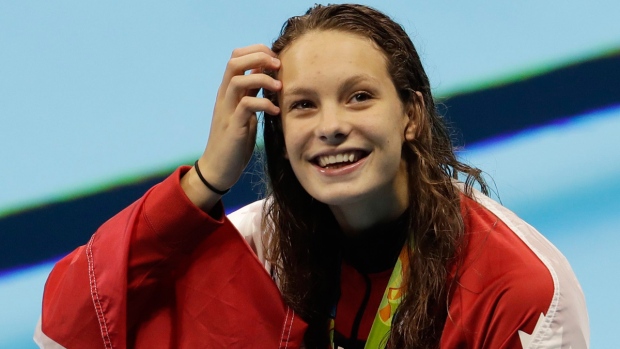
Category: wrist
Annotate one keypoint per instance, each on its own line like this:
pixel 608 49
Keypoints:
pixel 207 184
pixel 197 192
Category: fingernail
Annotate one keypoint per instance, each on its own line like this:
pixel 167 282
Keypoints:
pixel 275 61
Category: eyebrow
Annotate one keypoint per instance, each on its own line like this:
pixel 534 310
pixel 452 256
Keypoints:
pixel 350 82
pixel 344 86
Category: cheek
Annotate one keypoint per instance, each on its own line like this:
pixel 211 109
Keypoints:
pixel 391 136
pixel 296 138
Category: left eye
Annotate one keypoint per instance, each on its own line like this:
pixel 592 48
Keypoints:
pixel 360 97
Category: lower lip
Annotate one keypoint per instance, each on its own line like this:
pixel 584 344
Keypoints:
pixel 341 171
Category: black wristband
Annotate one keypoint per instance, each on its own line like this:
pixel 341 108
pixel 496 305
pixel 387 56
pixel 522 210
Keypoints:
pixel 211 187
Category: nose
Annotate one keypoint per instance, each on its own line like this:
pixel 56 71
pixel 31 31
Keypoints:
pixel 332 127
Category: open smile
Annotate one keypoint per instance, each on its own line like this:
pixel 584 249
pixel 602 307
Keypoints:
pixel 333 161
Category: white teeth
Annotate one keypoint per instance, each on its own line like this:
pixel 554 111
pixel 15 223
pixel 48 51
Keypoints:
pixel 335 159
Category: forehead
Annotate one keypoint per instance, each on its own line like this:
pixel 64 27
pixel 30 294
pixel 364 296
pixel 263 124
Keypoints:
pixel 331 53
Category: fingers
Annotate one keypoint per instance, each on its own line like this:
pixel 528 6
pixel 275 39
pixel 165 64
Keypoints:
pixel 248 85
pixel 254 60
pixel 239 84
pixel 250 105
pixel 242 51
pixel 254 91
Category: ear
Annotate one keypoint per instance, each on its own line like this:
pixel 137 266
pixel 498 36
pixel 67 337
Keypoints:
pixel 415 110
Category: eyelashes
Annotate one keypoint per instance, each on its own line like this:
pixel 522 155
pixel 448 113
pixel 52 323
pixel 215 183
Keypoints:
pixel 302 104
pixel 357 97
pixel 360 97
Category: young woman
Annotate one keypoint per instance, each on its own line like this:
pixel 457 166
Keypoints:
pixel 369 237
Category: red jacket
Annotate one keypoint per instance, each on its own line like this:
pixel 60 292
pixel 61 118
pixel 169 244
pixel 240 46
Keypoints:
pixel 163 274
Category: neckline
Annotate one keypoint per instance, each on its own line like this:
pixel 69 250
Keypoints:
pixel 376 249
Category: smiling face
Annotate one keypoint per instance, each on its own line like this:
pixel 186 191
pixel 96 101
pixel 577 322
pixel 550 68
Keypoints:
pixel 344 126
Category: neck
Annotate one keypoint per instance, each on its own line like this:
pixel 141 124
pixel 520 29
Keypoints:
pixel 375 209
pixel 376 249
pixel 354 221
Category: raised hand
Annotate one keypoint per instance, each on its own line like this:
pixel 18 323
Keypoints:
pixel 233 127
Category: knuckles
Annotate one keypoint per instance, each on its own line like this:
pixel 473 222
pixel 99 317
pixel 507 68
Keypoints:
pixel 255 60
pixel 246 101
pixel 251 81
pixel 236 53
pixel 236 80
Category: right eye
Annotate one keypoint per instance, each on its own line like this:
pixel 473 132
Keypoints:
pixel 303 104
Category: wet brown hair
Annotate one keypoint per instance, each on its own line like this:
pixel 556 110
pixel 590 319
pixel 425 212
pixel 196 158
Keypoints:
pixel 302 246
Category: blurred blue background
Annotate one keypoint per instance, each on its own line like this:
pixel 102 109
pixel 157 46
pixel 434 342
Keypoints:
pixel 98 101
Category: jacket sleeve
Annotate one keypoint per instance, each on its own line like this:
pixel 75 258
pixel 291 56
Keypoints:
pixel 164 274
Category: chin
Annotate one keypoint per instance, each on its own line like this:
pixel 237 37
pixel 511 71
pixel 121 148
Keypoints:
pixel 335 197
